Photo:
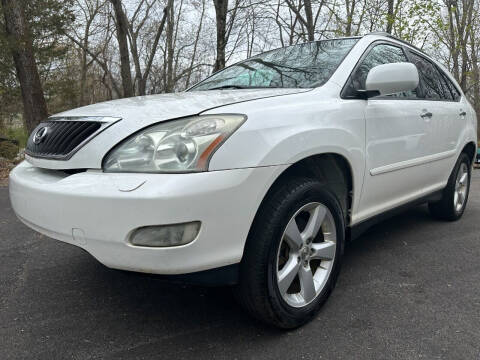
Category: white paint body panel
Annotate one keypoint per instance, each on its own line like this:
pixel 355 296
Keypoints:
pixel 139 112
pixel 224 201
pixel 395 156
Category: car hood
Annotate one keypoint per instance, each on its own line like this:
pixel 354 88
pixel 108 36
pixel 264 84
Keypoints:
pixel 138 112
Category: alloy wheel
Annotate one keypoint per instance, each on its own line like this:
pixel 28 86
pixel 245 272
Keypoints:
pixel 306 254
pixel 461 187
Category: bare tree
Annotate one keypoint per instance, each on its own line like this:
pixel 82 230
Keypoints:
pixel 121 23
pixel 350 11
pixel 134 30
pixel 390 16
pixel 20 43
pixel 135 47
pixel 286 22
pixel 305 20
pixel 221 8
pixel 89 10
pixel 170 41
pixel 195 45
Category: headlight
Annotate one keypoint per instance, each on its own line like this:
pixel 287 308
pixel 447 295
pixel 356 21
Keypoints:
pixel 184 145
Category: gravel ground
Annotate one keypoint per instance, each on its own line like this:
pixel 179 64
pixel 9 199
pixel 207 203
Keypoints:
pixel 409 288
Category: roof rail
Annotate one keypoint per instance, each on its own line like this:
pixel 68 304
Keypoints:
pixel 386 34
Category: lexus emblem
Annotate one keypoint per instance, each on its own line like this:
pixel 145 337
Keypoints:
pixel 40 135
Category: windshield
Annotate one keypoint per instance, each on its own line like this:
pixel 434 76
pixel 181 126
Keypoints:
pixel 306 65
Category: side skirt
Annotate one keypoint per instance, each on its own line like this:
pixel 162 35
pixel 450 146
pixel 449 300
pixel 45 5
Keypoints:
pixel 355 231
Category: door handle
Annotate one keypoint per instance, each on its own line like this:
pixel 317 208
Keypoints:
pixel 426 114
pixel 462 113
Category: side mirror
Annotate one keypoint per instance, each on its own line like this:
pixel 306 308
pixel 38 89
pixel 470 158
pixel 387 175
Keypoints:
pixel 391 78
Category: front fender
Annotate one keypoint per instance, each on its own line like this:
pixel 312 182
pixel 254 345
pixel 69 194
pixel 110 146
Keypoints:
pixel 280 132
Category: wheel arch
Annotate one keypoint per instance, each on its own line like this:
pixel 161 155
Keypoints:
pixel 469 149
pixel 332 168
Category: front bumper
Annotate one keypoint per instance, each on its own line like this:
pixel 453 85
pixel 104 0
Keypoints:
pixel 98 211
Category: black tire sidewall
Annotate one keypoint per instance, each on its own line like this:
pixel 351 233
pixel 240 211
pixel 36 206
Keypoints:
pixel 466 161
pixel 312 192
pixel 444 209
pixel 463 159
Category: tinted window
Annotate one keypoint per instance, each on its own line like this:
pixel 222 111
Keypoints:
pixel 446 89
pixel 379 55
pixel 433 84
pixel 453 89
pixel 299 66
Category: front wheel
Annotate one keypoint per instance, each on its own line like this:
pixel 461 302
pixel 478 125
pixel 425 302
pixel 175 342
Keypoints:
pixel 455 195
pixel 292 256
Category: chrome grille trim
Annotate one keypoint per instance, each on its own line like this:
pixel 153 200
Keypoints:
pixel 67 136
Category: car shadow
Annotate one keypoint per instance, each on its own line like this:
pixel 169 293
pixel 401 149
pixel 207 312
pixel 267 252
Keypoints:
pixel 85 308
pixel 148 296
pixel 145 296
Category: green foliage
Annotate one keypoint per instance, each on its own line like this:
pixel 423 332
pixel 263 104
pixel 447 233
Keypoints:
pixel 9 90
pixel 419 17
pixel 18 134
pixel 8 150
pixel 48 20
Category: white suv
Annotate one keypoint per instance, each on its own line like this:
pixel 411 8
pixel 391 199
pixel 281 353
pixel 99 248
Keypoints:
pixel 257 175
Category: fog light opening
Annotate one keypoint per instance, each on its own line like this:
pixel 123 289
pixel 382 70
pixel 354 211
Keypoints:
pixel 165 235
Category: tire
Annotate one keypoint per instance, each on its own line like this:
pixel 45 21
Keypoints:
pixel 270 253
pixel 455 195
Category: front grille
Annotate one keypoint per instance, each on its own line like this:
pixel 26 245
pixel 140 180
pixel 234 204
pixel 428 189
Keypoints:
pixel 59 139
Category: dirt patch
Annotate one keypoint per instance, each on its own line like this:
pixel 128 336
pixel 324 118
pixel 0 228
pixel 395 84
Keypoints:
pixel 5 167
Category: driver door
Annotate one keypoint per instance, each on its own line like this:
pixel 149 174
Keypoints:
pixel 397 138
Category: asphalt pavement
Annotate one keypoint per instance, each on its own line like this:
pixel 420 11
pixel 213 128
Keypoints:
pixel 409 289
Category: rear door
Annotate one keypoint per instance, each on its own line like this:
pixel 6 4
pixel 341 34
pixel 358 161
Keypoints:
pixel 442 99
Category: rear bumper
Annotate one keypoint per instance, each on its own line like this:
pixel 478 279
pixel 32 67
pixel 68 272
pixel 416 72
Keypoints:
pixel 98 212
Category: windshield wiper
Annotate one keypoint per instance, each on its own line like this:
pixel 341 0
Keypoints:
pixel 228 87
pixel 239 87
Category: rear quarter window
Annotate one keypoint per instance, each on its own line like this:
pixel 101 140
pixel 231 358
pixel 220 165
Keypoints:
pixel 456 95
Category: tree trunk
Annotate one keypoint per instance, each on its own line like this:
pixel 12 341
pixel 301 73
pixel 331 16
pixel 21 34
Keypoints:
pixel 122 31
pixel 195 46
pixel 20 43
pixel 350 9
pixel 390 16
pixel 143 83
pixel 83 77
pixel 170 50
pixel 221 8
pixel 309 18
pixel 83 65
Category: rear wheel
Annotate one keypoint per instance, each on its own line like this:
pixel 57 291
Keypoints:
pixel 292 256
pixel 454 199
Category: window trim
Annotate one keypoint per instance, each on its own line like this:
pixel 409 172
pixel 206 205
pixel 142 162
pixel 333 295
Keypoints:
pixel 343 92
pixel 407 48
